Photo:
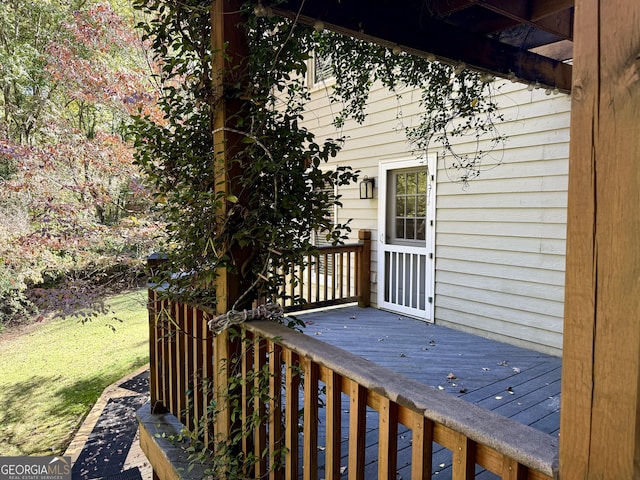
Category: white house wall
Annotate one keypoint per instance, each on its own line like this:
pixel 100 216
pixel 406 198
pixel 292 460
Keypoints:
pixel 500 240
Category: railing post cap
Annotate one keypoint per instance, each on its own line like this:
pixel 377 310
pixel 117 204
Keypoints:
pixel 364 235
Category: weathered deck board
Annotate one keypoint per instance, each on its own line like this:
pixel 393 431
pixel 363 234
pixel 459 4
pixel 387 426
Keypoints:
pixel 512 381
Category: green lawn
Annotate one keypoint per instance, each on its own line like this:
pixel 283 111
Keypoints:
pixel 51 375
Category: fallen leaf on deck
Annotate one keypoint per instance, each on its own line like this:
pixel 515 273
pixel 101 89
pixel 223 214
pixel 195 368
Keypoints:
pixel 515 370
pixel 463 390
pixel 452 376
pixel 498 397
pixel 432 343
pixel 403 355
pixel 440 387
pixel 318 333
pixel 322 449
pixel 503 363
pixel 343 469
pixel 485 369
pixel 510 390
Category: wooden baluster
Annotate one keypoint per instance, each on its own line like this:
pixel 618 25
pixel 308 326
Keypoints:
pixel 387 439
pixel 309 282
pixel 154 353
pixel 275 410
pixel 334 276
pixel 334 426
pixel 260 441
pixel 180 354
pixel 310 421
pixel 194 374
pixel 421 447
pixel 464 456
pixel 172 361
pixel 348 274
pixel 340 274
pixel 357 431
pixel 246 367
pixel 326 276
pixel 292 291
pixel 206 362
pixel 512 470
pixel 317 267
pixel 187 381
pixel 292 384
pixel 301 272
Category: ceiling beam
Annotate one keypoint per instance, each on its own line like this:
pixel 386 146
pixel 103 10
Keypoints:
pixel 418 32
pixel 558 23
pixel 544 8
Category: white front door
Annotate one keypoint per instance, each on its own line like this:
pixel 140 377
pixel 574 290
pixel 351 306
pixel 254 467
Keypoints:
pixel 407 233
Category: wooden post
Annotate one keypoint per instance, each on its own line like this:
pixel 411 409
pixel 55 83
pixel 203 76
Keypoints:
pixel 600 415
pixel 228 44
pixel 364 269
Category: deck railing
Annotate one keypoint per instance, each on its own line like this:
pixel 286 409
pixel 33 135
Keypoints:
pixel 181 344
pixel 307 377
pixel 332 276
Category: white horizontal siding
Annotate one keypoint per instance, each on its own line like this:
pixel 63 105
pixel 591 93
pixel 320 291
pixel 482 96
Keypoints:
pixel 500 240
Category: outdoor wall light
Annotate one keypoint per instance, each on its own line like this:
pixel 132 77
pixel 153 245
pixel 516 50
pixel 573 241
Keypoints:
pixel 366 187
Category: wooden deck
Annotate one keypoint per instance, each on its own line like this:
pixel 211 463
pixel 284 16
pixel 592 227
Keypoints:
pixel 515 382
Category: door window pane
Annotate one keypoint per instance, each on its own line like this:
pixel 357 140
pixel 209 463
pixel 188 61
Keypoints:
pixel 400 228
pixel 422 182
pixel 411 205
pixel 400 184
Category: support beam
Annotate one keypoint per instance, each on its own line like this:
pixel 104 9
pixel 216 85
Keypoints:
pixel 229 48
pixel 420 32
pixel 600 415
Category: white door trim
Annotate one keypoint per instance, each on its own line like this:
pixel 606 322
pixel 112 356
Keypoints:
pixel 384 168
